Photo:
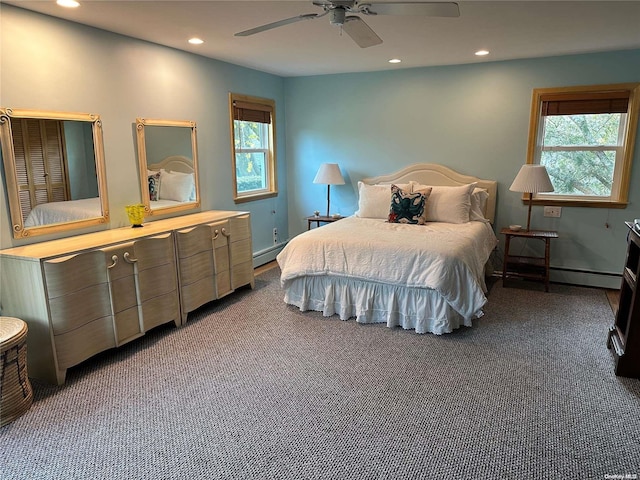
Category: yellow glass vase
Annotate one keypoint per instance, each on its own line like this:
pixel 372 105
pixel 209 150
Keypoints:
pixel 135 214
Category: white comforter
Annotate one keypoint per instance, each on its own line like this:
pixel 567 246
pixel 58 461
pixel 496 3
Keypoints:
pixel 69 211
pixel 447 258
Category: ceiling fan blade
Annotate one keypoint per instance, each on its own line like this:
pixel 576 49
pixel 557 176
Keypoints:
pixel 279 23
pixel 360 32
pixel 431 9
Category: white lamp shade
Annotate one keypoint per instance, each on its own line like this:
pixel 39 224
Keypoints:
pixel 532 179
pixel 329 174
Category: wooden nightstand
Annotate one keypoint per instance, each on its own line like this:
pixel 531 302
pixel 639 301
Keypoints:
pixel 624 334
pixel 532 268
pixel 321 218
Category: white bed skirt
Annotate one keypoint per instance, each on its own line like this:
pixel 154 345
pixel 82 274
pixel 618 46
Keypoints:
pixel 424 310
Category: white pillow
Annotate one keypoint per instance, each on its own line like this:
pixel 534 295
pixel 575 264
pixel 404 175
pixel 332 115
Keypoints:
pixel 374 200
pixel 178 187
pixel 448 204
pixel 479 198
pixel 192 195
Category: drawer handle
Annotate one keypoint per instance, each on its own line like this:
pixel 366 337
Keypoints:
pixel 114 259
pixel 215 234
pixel 224 232
pixel 128 258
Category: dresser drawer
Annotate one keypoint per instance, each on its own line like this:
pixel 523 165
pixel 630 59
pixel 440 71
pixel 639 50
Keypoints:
pixel 154 251
pixel 223 283
pixel 157 281
pixel 202 238
pixel 196 267
pixel 219 233
pixel 240 227
pixel 77 345
pixel 69 274
pixel 77 309
pixel 114 261
pixel 241 251
pixel 159 310
pixel 123 293
pixel 242 274
pixel 127 325
pixel 221 259
pixel 198 293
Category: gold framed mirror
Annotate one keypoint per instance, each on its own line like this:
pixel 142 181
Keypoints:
pixel 168 163
pixel 54 170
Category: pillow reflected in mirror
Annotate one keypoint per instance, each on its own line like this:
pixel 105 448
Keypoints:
pixel 176 186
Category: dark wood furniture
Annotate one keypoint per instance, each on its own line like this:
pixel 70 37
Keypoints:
pixel 320 219
pixel 624 336
pixel 531 268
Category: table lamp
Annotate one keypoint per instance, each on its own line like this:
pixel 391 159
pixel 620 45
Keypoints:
pixel 531 179
pixel 329 174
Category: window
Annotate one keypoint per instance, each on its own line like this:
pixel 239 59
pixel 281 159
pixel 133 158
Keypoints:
pixel 585 137
pixel 253 148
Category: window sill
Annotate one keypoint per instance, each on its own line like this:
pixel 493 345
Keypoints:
pixel 576 203
pixel 251 198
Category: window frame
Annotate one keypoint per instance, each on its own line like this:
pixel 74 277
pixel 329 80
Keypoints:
pixel 622 176
pixel 270 163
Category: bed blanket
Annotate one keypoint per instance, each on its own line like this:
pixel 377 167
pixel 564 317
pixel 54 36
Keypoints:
pixel 447 258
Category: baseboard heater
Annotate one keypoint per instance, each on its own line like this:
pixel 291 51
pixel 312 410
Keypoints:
pixel 268 254
pixel 581 277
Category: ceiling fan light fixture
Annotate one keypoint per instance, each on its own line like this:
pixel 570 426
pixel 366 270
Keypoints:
pixel 337 16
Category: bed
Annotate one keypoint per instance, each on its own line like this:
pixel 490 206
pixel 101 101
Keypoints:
pixel 171 182
pixel 66 211
pixel 429 276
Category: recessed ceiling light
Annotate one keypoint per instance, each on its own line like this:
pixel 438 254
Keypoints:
pixel 196 41
pixel 482 53
pixel 395 60
pixel 68 3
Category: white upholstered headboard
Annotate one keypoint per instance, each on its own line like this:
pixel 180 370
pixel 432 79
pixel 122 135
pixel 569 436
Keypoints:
pixel 435 174
pixel 174 163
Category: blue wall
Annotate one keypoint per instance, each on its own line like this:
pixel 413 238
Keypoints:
pixel 472 118
pixel 52 64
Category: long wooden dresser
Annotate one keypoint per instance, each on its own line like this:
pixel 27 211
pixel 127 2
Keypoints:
pixel 85 294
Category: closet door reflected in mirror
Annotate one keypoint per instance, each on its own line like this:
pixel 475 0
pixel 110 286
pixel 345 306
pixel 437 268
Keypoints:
pixel 167 157
pixel 54 170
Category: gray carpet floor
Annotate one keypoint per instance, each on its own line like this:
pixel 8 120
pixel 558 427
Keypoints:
pixel 252 388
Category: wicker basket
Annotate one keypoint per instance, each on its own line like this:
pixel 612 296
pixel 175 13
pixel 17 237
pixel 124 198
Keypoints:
pixel 16 395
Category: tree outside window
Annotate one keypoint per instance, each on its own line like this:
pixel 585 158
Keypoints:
pixel 585 136
pixel 253 126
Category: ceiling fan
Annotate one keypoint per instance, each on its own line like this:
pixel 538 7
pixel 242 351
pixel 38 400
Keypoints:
pixel 341 13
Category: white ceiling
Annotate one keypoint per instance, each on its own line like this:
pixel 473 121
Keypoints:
pixel 508 29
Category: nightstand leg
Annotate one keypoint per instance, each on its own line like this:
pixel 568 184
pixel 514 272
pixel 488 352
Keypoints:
pixel 506 255
pixel 547 248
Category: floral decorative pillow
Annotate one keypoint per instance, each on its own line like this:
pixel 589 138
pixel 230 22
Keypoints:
pixel 408 207
pixel 154 186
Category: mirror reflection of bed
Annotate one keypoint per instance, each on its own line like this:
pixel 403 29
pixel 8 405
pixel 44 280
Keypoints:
pixel 54 170
pixel 63 212
pixel 171 182
pixel 168 165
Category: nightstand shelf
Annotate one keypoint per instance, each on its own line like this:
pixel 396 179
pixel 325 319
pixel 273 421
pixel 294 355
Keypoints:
pixel 527 267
